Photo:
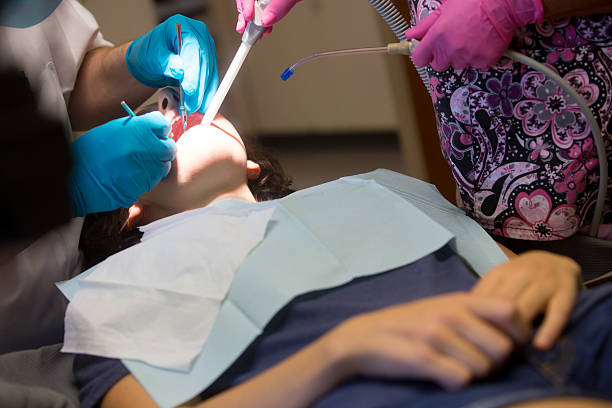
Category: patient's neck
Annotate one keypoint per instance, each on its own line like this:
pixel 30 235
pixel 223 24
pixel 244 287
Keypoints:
pixel 143 212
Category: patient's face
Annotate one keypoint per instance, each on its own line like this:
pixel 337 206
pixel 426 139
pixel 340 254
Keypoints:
pixel 210 161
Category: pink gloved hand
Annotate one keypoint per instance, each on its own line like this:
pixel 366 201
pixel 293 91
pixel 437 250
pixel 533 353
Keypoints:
pixel 274 11
pixel 471 33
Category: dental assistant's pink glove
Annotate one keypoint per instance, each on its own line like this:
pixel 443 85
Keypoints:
pixel 274 11
pixel 471 33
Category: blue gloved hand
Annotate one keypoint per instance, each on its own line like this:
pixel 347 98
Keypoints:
pixel 117 162
pixel 153 60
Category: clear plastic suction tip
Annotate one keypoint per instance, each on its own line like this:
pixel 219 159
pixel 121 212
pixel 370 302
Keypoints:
pixel 287 74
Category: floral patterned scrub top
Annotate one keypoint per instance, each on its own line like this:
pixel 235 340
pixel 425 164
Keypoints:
pixel 520 150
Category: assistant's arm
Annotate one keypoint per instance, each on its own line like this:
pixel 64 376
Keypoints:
pixel 102 83
pixel 571 8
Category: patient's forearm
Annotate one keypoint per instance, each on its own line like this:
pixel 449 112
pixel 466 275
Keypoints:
pixel 570 8
pixel 102 83
pixel 295 382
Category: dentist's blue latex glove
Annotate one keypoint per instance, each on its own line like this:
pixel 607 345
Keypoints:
pixel 153 60
pixel 117 162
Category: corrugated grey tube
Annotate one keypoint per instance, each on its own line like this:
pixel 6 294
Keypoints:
pixel 399 26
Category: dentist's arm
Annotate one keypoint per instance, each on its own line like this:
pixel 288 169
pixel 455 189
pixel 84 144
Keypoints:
pixel 102 83
pixel 132 71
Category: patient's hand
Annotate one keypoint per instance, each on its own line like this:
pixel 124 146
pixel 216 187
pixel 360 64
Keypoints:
pixel 448 339
pixel 538 282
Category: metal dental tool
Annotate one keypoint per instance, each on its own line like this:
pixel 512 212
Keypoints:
pixel 182 110
pixel 252 33
pixel 127 109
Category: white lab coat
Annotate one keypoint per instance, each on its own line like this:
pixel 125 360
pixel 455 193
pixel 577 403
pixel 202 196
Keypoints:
pixel 50 54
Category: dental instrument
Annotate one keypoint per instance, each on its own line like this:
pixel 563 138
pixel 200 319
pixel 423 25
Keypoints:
pixel 251 34
pixel 403 48
pixel 127 109
pixel 182 110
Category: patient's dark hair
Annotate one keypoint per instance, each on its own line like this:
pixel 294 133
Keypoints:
pixel 107 233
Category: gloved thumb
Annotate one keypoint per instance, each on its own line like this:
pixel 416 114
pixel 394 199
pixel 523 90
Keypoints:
pixel 423 53
pixel 164 148
pixel 419 30
pixel 240 24
pixel 159 125
pixel 166 151
pixel 175 68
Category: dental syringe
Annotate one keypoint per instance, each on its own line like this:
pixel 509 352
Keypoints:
pixel 251 34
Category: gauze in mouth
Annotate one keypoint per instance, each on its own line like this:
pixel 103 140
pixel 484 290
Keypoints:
pixel 167 104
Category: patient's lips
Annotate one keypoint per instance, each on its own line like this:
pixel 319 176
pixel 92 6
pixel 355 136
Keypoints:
pixel 167 104
pixel 177 124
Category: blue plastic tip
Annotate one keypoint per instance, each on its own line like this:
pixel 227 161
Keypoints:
pixel 287 74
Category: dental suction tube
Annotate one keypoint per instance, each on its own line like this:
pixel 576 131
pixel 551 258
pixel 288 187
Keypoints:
pixel 251 34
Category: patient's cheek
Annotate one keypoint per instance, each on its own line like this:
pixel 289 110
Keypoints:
pixel 177 124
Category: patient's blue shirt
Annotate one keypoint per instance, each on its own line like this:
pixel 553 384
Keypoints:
pixel 580 365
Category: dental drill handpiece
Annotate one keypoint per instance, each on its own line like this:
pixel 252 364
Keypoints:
pixel 182 110
pixel 251 34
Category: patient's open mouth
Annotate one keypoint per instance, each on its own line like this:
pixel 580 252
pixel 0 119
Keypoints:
pixel 193 119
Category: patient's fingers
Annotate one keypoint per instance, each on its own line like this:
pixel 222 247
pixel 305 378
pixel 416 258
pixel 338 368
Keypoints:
pixel 557 314
pixel 533 301
pixel 491 340
pixel 404 357
pixel 512 288
pixel 557 305
pixel 420 361
pixel 503 314
pixel 451 344
pixel 488 283
pixel 447 372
